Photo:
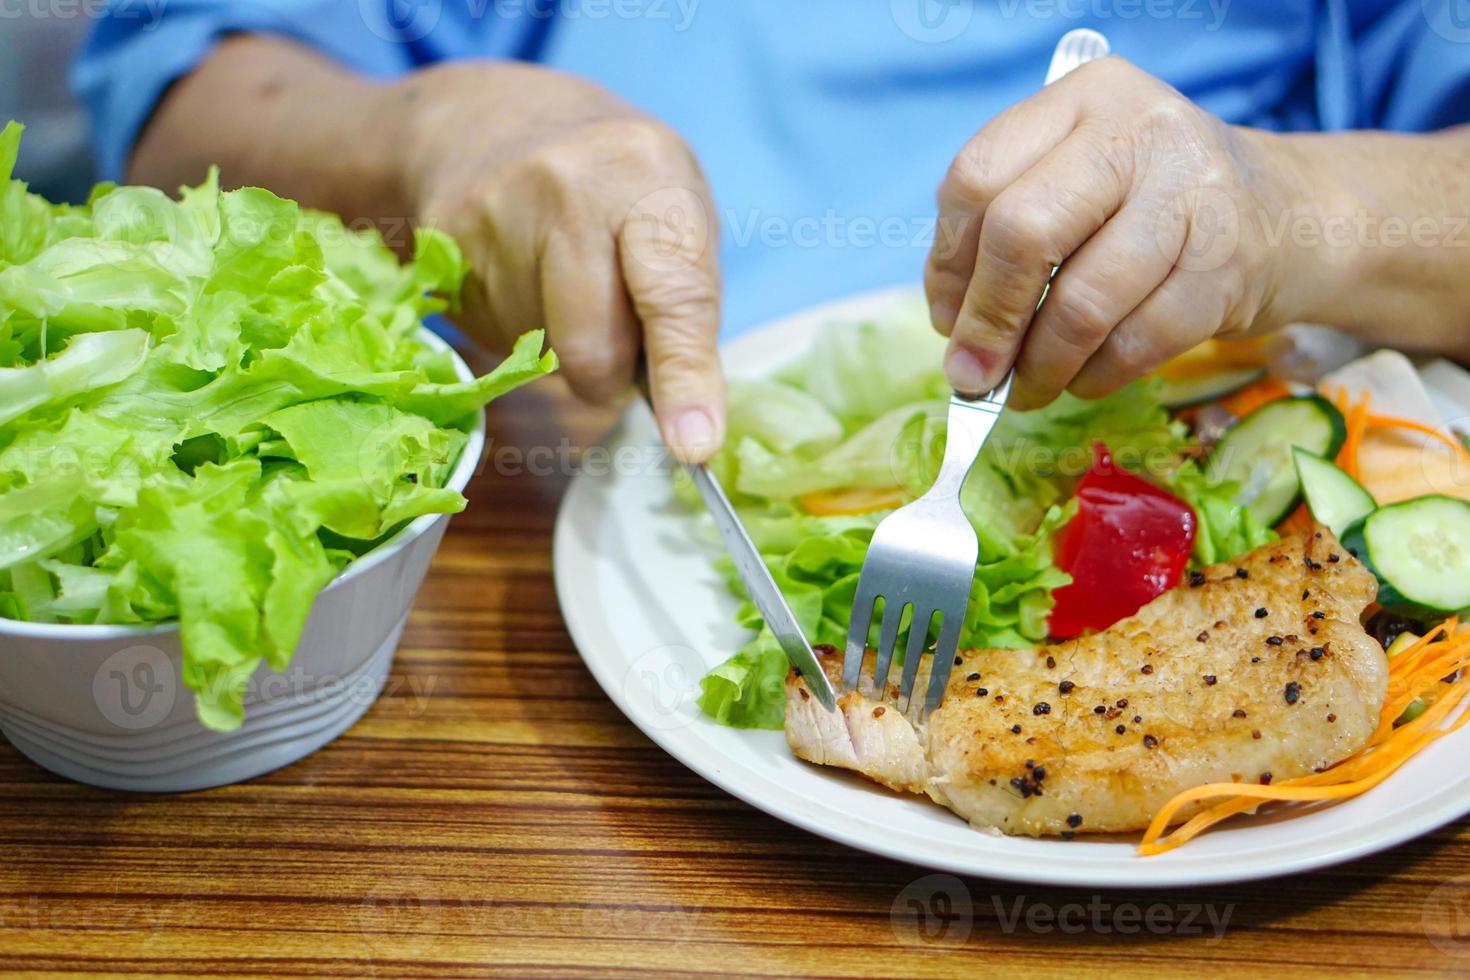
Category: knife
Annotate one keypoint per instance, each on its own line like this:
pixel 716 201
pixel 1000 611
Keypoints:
pixel 757 577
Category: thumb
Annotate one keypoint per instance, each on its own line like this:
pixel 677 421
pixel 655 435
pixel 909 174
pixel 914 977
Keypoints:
pixel 667 248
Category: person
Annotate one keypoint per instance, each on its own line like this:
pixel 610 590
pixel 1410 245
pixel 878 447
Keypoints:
pixel 1243 165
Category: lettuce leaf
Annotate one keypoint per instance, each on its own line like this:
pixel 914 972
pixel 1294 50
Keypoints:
pixel 882 385
pixel 208 406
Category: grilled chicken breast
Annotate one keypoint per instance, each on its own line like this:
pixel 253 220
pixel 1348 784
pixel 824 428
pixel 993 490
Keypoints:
pixel 1251 670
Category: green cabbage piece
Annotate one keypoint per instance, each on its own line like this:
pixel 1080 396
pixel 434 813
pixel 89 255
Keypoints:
pixel 209 406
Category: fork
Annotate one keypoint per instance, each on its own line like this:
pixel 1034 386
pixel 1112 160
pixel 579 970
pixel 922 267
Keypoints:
pixel 922 556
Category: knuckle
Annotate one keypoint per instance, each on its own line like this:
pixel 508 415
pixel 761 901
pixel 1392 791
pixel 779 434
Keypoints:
pixel 1169 120
pixel 1019 229
pixel 1079 316
pixel 1132 352
pixel 641 141
pixel 679 305
pixel 684 361
pixel 974 177
pixel 981 326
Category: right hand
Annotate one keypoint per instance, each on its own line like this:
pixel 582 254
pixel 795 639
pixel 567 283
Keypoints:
pixel 579 214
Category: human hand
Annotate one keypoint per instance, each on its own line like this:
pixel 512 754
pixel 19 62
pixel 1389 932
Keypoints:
pixel 581 215
pixel 1146 203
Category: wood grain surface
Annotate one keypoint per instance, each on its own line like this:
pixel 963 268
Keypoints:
pixel 495 814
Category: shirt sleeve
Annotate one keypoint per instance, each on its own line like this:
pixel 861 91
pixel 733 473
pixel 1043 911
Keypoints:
pixel 142 46
pixel 1412 65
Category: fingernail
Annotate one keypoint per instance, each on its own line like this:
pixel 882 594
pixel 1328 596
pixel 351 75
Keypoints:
pixel 965 371
pixel 693 432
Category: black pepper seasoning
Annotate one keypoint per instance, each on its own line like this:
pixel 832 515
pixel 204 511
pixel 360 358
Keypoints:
pixel 1099 710
pixel 1120 729
pixel 980 692
pixel 1316 653
pixel 1293 692
pixel 973 678
pixel 1261 613
pixel 1051 662
pixel 1074 820
pixel 1041 708
pixel 1196 579
pixel 1238 713
pixel 1149 741
pixel 1242 573
pixel 1203 636
pixel 1273 641
pixel 1015 729
pixel 1210 680
pixel 1265 779
pixel 1066 687
pixel 1147 668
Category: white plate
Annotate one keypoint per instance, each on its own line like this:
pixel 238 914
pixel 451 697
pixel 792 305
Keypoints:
pixel 649 616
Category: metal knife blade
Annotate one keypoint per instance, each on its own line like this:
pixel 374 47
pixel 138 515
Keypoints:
pixel 753 571
pixel 763 590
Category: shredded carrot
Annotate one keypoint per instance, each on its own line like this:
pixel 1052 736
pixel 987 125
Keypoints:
pixel 1394 422
pixel 853 500
pixel 1252 397
pixel 1355 414
pixel 1418 671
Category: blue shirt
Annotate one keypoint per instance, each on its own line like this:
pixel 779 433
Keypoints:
pixel 825 125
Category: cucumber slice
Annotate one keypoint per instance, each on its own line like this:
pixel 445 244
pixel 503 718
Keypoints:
pixel 1184 392
pixel 1333 497
pixel 1256 452
pixel 1420 551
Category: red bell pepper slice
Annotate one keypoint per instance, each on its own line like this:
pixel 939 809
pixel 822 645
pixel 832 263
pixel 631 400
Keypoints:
pixel 1129 543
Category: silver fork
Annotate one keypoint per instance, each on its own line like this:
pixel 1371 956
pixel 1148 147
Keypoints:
pixel 922 556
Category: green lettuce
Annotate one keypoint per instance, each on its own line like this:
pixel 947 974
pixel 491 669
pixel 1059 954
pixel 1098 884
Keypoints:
pixel 881 386
pixel 209 406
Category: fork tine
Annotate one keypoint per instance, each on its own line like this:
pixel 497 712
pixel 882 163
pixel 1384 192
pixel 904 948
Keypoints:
pixel 945 650
pixel 918 634
pixel 857 634
pixel 887 640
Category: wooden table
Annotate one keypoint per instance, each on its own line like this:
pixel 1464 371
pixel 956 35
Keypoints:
pixel 494 813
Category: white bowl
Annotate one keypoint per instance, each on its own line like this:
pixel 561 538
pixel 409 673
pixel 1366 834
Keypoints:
pixel 105 705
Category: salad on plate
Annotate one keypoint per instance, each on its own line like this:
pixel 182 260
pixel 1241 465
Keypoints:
pixel 1107 529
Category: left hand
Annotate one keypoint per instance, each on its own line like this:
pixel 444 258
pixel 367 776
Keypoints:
pixel 1152 208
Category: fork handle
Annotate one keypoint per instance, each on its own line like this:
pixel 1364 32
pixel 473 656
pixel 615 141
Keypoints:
pixel 970 422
